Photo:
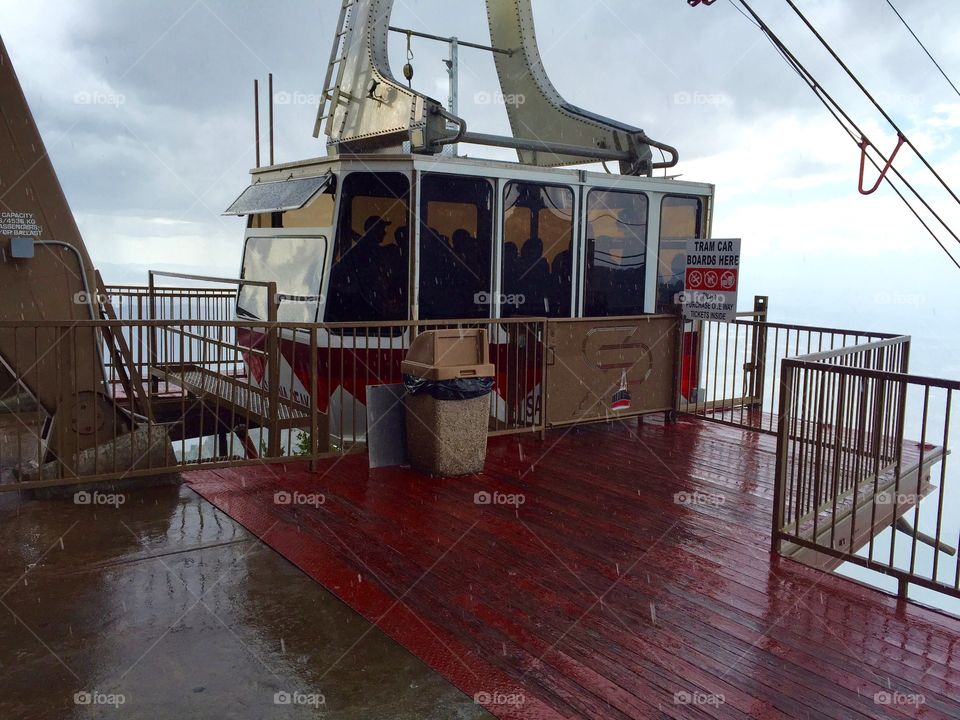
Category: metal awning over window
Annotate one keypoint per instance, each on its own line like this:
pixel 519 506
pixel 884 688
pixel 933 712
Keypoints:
pixel 279 195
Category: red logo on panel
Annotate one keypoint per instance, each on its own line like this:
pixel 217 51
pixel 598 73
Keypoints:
pixel 721 279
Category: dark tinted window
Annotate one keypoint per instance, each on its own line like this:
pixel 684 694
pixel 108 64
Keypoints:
pixel 537 236
pixel 681 218
pixel 616 256
pixel 456 235
pixel 368 281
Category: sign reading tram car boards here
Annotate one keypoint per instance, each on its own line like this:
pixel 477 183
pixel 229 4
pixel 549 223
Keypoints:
pixel 711 279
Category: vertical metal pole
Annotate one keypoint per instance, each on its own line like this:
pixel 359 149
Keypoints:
pixel 256 117
pixel 453 71
pixel 273 372
pixel 59 427
pixel 757 361
pixel 413 255
pixel 544 369
pixel 783 442
pixel 270 101
pixel 678 366
pixel 152 381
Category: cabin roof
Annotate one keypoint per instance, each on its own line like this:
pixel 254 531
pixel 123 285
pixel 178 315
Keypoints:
pixel 472 166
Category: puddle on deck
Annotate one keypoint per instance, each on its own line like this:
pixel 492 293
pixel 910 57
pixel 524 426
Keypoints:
pixel 166 604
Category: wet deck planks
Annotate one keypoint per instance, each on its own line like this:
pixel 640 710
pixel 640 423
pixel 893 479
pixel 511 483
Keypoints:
pixel 634 576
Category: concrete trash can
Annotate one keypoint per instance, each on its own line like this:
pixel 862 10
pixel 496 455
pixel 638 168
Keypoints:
pixel 448 377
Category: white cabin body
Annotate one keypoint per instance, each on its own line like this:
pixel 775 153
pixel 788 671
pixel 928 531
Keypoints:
pixel 379 238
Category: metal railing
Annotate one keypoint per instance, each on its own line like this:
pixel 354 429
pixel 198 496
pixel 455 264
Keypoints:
pixel 232 392
pixel 732 371
pixel 142 302
pixel 133 302
pixel 214 391
pixel 858 439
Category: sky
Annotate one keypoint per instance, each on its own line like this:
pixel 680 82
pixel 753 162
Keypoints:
pixel 146 111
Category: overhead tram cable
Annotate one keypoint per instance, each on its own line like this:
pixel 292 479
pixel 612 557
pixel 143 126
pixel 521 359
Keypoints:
pixel 923 47
pixel 854 131
pixel 873 100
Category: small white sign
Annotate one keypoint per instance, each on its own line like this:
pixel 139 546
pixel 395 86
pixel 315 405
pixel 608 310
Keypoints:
pixel 711 280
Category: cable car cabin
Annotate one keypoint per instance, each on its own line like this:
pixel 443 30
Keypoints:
pixel 379 238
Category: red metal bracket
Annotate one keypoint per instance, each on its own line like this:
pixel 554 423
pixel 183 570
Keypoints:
pixel 864 144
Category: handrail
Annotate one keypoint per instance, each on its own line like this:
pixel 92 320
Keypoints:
pixel 144 290
pixel 817 329
pixel 893 375
pixel 208 278
pixel 214 341
pixel 852 349
pixel 281 325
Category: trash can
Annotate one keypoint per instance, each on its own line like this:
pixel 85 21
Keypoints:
pixel 448 377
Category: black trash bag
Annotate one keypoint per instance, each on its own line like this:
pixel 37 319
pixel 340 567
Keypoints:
pixel 456 389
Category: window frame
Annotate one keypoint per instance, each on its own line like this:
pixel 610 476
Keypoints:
pixel 701 231
pixel 421 224
pixel 342 180
pixel 576 217
pixel 582 254
pixel 281 234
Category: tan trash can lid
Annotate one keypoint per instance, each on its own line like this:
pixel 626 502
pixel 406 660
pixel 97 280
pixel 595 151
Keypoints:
pixel 449 354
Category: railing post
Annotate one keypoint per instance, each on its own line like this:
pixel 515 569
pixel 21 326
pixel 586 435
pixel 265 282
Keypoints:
pixel 838 445
pixel 783 442
pixel 903 589
pixel 901 411
pixel 880 390
pixel 273 372
pixel 678 366
pixel 544 369
pixel 152 381
pixel 758 349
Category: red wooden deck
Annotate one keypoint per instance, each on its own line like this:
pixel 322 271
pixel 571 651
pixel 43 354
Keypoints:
pixel 634 581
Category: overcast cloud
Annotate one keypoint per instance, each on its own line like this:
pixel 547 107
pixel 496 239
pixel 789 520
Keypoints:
pixel 146 110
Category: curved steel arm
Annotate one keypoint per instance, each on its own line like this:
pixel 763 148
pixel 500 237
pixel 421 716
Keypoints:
pixel 674 153
pixel 538 113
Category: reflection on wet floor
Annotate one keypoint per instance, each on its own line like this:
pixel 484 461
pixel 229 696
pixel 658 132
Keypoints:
pixel 18 440
pixel 156 599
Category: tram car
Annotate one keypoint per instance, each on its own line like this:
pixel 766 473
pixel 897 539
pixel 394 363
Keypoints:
pixel 391 226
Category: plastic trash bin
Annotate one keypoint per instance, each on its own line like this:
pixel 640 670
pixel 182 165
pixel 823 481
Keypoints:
pixel 448 377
